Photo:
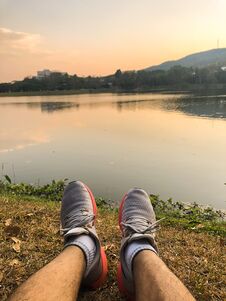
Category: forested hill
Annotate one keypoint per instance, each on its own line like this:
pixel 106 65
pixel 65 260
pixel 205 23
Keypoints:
pixel 196 60
pixel 205 68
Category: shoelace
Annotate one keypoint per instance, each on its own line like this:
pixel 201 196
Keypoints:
pixel 140 225
pixel 80 219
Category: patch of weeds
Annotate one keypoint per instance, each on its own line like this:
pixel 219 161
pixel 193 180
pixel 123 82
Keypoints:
pixel 190 216
pixel 101 202
pixel 52 191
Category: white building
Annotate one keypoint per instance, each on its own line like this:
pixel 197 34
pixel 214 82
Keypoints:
pixel 223 68
pixel 44 73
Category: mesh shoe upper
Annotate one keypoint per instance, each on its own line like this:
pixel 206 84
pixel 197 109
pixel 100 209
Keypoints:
pixel 137 222
pixel 138 219
pixel 78 212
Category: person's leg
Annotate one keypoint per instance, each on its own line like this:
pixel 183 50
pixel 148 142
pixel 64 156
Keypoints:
pixel 154 281
pixel 83 260
pixel 142 275
pixel 58 280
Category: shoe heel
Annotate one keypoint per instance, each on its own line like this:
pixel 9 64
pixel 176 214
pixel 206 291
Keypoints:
pixel 99 282
pixel 123 291
pixel 119 280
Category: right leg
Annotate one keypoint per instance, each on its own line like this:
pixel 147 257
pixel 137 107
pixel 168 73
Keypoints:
pixel 141 273
pixel 154 281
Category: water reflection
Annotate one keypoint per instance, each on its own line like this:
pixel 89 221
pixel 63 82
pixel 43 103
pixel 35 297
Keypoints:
pixel 51 107
pixel 209 107
pixel 48 107
pixel 171 145
pixel 213 107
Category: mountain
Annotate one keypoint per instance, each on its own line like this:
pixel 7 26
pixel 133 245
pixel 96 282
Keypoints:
pixel 199 60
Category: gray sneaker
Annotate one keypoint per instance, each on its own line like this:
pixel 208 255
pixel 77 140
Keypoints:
pixel 78 214
pixel 137 223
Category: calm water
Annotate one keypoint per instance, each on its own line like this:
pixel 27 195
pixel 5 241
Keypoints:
pixel 170 145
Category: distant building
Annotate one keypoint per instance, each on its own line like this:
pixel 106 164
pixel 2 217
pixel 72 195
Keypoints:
pixel 44 73
pixel 223 68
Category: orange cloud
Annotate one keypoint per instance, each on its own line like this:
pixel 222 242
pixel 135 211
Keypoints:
pixel 16 42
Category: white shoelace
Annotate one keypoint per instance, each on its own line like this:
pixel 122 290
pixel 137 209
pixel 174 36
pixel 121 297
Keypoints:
pixel 78 220
pixel 140 225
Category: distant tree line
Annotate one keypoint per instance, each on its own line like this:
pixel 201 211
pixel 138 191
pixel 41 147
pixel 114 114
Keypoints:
pixel 129 80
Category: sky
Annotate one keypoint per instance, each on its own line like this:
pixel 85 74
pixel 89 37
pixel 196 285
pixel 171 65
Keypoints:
pixel 97 37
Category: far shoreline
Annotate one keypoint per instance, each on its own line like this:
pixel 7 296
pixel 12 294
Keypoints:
pixel 90 91
pixel 191 89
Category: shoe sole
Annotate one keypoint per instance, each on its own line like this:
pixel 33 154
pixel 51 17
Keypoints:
pixel 99 282
pixel 124 292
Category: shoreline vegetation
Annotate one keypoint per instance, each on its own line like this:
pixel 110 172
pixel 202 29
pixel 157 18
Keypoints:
pixel 189 216
pixel 177 78
pixel 185 89
pixel 191 239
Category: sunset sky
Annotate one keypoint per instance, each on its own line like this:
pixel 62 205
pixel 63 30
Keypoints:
pixel 96 37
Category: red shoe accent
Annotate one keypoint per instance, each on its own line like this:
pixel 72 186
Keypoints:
pixel 120 281
pixel 93 200
pixel 120 211
pixel 99 282
pixel 121 286
pixel 103 256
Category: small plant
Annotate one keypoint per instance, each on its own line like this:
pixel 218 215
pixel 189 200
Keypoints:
pixel 101 202
pixel 8 179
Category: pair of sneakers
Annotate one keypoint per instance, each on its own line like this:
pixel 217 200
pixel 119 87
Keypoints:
pixel 137 223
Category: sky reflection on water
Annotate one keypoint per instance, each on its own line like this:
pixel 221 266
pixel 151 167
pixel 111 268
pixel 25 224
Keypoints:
pixel 170 145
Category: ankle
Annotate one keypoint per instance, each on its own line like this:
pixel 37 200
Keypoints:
pixel 143 257
pixel 86 244
pixel 134 249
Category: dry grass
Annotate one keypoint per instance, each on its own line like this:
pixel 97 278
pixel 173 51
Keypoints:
pixel 198 259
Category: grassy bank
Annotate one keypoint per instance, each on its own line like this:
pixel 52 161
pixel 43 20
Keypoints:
pixel 191 240
pixel 189 216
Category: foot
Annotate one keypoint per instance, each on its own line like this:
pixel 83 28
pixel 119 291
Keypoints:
pixel 138 225
pixel 78 214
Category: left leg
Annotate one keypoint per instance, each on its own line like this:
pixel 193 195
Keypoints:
pixel 58 280
pixel 83 260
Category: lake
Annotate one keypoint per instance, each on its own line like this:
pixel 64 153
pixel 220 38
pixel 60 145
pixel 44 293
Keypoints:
pixel 171 145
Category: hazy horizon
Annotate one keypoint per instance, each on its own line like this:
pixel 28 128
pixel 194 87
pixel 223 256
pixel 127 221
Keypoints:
pixel 97 37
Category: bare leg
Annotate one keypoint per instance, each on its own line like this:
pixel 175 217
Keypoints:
pixel 155 282
pixel 58 280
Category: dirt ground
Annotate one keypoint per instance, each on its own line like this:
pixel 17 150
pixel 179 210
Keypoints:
pixel 29 238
